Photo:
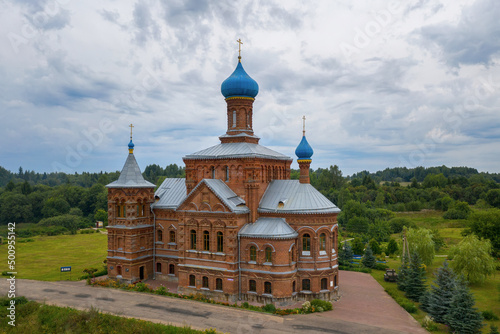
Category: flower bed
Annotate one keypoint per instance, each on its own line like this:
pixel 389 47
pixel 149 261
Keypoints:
pixel 315 305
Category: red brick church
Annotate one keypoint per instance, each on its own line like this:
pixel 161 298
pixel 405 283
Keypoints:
pixel 236 228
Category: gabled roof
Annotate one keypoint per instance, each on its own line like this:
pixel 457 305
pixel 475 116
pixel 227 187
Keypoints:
pixel 219 188
pixel 131 176
pixel 172 193
pixel 237 150
pixel 291 196
pixel 268 228
pixel 226 195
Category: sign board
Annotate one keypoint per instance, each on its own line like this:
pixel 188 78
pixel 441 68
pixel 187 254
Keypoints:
pixel 63 269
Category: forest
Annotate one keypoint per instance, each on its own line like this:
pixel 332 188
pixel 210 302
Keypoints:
pixel 54 203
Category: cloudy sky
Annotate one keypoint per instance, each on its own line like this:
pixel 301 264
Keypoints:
pixel 412 83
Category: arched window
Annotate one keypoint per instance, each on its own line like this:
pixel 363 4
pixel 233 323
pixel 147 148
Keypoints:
pixel 171 269
pixel 206 241
pixel 158 267
pixel 324 284
pixel 192 280
pixel 252 285
pixel 335 280
pixel 269 254
pixel 293 286
pixel 306 285
pixel 306 243
pixel 220 242
pixel 253 253
pixel 193 239
pixel 213 172
pixel 234 118
pixel 204 281
pixel 226 169
pixel 293 253
pixel 218 284
pixel 322 242
pixel 159 235
pixel 268 288
pixel 172 237
pixel 119 270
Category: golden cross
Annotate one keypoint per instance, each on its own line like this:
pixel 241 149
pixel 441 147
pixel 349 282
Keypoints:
pixel 239 47
pixel 131 126
pixel 304 125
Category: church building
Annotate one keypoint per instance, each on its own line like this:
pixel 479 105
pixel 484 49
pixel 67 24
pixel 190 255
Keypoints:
pixel 236 227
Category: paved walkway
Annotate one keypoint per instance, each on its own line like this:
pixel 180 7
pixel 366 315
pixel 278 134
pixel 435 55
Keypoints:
pixel 363 308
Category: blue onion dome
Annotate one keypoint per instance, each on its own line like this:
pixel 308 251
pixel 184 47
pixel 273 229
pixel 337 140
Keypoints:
pixel 304 150
pixel 239 84
pixel 131 145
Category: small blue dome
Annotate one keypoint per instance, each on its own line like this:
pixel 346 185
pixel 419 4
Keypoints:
pixel 304 150
pixel 131 145
pixel 239 84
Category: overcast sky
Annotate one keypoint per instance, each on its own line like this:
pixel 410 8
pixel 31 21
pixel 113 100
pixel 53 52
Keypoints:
pixel 413 83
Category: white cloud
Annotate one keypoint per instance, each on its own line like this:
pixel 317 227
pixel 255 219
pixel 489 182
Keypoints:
pixel 74 75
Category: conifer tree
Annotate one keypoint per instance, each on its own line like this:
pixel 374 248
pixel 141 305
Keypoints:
pixel 463 317
pixel 441 293
pixel 368 259
pixel 403 272
pixel 494 329
pixel 392 247
pixel 425 301
pixel 415 280
pixel 375 246
pixel 345 254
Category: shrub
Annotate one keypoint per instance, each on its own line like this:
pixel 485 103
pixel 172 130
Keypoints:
pixel 245 305
pixel 142 287
pixel 381 266
pixel 409 307
pixel 413 206
pixel 270 308
pixel 489 315
pixel 101 272
pixel 306 307
pixel 17 300
pixel 397 224
pixel 323 304
pixel 161 291
pixel 429 325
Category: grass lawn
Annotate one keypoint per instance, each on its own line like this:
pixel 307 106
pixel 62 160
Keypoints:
pixel 43 258
pixel 487 295
pixel 431 219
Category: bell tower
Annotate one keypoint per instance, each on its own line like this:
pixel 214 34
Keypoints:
pixel 130 224
pixel 239 90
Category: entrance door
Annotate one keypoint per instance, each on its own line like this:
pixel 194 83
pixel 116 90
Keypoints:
pixel 141 273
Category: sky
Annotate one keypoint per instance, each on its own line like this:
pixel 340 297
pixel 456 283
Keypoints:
pixel 382 85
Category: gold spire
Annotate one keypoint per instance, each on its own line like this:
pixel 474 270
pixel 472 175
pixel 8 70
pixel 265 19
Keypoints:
pixel 303 125
pixel 239 49
pixel 131 145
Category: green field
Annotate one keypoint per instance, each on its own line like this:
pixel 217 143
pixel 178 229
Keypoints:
pixel 487 295
pixel 43 258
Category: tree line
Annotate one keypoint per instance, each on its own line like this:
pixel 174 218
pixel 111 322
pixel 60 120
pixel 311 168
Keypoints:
pixel 54 203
